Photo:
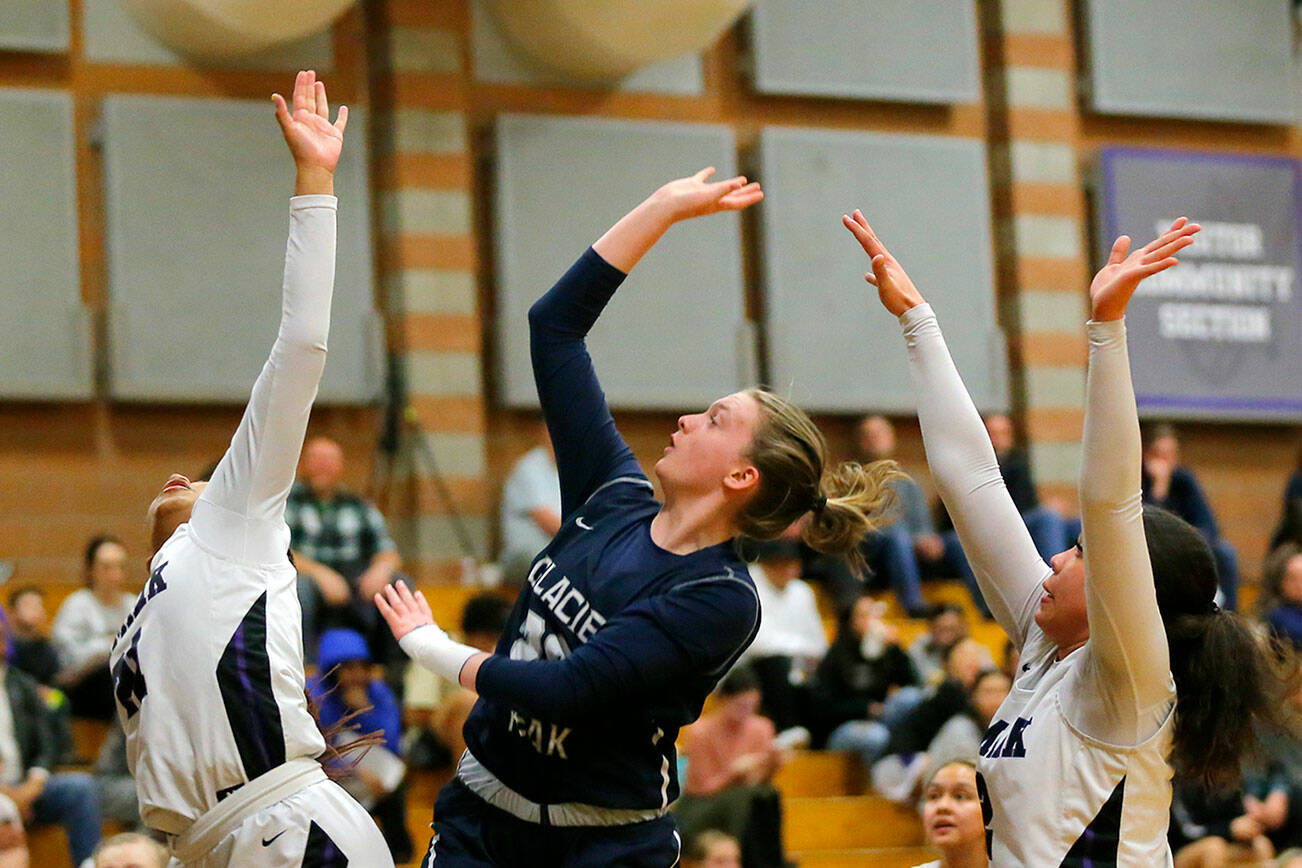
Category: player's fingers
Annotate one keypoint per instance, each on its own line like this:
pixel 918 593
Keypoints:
pixel 703 174
pixel 322 106
pixel 386 611
pixel 1119 248
pixel 302 90
pixel 423 604
pixel 871 278
pixel 342 121
pixel 1168 249
pixel 394 601
pixel 282 111
pixel 405 593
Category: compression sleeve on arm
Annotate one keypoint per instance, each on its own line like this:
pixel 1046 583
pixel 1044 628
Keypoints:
pixel 962 461
pixel 437 651
pixel 692 632
pixel 1128 669
pixel 244 502
pixel 589 449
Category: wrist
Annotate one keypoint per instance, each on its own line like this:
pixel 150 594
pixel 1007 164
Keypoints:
pixel 313 180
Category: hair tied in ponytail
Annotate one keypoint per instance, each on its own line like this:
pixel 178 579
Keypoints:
pixel 820 504
pixel 1212 608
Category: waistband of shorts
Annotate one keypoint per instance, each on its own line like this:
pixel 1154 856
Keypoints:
pixel 263 791
pixel 490 788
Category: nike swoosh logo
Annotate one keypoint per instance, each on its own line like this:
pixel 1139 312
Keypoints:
pixel 583 524
pixel 267 842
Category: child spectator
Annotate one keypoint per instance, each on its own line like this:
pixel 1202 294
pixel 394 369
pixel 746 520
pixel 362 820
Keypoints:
pixel 348 693
pixel 731 760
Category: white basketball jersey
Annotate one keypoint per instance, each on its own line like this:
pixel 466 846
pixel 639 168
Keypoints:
pixel 208 668
pixel 1052 795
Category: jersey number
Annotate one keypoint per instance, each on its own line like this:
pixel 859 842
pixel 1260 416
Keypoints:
pixel 128 680
pixel 535 643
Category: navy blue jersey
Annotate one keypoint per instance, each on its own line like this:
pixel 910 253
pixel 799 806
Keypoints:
pixel 614 643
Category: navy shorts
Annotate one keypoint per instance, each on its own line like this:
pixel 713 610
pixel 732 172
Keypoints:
pixel 470 833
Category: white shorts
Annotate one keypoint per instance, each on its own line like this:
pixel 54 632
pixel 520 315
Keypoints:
pixel 320 826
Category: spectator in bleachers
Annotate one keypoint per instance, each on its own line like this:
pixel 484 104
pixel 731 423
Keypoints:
pixel 1274 786
pixel 130 850
pixel 1171 485
pixel 894 551
pixel 1210 828
pixel 948 722
pixel 850 687
pixel 86 625
pixel 1289 528
pixel 951 816
pixel 531 507
pixel 114 783
pixel 791 641
pixel 13 839
pixel 342 551
pixel 27 753
pixel 32 651
pixel 347 693
pixel 435 709
pixel 731 759
pixel 1280 598
pixel 712 849
pixel 946 627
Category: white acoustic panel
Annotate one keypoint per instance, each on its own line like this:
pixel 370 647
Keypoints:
pixel 198 213
pixel 497 60
pixel 111 35
pixel 44 329
pixel 675 334
pixel 34 25
pixel 903 50
pixel 830 342
pixel 1170 58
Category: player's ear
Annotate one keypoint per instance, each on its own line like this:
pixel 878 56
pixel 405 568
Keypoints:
pixel 742 478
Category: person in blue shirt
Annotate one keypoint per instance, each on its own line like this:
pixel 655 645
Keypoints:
pixel 635 610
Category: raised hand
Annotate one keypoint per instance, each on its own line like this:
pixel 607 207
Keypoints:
pixel 695 196
pixel 1116 282
pixel 894 288
pixel 314 142
pixel 402 610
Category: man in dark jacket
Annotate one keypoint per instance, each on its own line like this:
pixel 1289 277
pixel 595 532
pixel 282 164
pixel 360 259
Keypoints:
pixel 27 752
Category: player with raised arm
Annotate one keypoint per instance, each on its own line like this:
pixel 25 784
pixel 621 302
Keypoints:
pixel 208 668
pixel 637 608
pixel 1127 665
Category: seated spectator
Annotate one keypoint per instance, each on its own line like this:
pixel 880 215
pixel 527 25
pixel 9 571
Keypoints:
pixel 1290 517
pixel 342 551
pixel 1273 787
pixel 952 818
pixel 13 840
pixel 1171 485
pixel 712 849
pixel 790 642
pixel 1210 828
pixel 436 710
pixel 1280 599
pixel 946 627
pixel 850 686
pixel 130 850
pixel 948 722
pixel 348 695
pixel 86 625
pixel 32 650
pixel 893 551
pixel 731 759
pixel 27 753
pixel 531 507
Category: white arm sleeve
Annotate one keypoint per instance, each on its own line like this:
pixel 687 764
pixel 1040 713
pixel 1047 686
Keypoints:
pixel 242 509
pixel 963 465
pixel 437 651
pixel 1125 687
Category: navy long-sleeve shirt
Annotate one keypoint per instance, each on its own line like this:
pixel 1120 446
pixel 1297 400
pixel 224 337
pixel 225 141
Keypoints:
pixel 614 642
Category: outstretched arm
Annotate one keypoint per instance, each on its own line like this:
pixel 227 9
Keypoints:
pixel 1128 651
pixel 962 461
pixel 589 450
pixel 254 476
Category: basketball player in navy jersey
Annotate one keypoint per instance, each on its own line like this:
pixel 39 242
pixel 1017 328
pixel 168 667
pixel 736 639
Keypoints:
pixel 637 608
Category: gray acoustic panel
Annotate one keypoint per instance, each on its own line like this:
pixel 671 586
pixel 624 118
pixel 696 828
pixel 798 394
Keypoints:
pixel 111 35
pixel 904 50
pixel 44 329
pixel 675 334
pixel 34 25
pixel 831 343
pixel 198 212
pixel 1172 58
pixel 497 60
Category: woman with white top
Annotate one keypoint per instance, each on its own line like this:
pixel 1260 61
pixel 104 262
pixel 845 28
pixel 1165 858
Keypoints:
pixel 1128 667
pixel 86 625
pixel 951 816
